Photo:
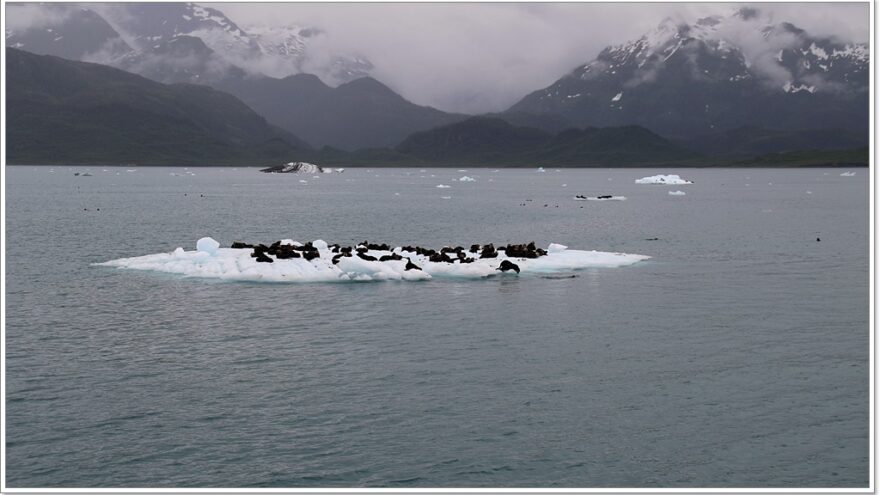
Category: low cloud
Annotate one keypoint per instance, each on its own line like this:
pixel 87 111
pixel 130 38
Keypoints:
pixel 25 16
pixel 483 57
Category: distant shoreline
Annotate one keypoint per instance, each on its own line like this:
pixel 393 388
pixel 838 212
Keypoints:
pixel 462 165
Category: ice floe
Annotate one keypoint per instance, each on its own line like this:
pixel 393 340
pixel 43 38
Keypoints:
pixel 326 263
pixel 677 193
pixel 847 174
pixel 467 179
pixel 580 197
pixel 669 180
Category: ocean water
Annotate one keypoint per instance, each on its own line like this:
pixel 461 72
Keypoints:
pixel 736 357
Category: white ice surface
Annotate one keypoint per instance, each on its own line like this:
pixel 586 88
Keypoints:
pixel 669 180
pixel 677 193
pixel 207 245
pixel 238 265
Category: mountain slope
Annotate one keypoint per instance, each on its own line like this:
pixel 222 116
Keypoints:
pixel 70 32
pixel 684 80
pixel 482 140
pixel 750 141
pixel 363 113
pixel 60 111
pixel 276 51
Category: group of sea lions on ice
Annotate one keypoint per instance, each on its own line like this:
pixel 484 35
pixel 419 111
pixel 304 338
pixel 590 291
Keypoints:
pixel 446 254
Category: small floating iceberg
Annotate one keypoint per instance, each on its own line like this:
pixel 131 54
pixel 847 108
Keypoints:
pixel 580 197
pixel 677 193
pixel 443 186
pixel 847 174
pixel 668 180
pixel 320 262
pixel 467 179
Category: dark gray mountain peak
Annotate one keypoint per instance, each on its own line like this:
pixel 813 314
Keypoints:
pixel 747 13
pixel 77 33
pixel 682 79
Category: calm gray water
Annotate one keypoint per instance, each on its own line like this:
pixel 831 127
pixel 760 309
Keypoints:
pixel 736 357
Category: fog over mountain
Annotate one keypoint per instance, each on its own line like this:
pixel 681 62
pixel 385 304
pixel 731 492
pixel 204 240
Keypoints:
pixel 457 57
pixel 474 58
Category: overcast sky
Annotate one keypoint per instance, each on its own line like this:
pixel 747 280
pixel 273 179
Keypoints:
pixel 484 57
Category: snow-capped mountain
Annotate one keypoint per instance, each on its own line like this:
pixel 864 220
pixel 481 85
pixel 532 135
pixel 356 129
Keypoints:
pixel 271 51
pixel 66 30
pixel 720 72
pixel 142 35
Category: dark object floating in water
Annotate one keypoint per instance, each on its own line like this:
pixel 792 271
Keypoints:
pixel 818 240
pixel 653 239
pixel 558 277
pixel 507 265
pixel 606 197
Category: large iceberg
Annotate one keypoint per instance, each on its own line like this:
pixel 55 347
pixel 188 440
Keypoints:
pixel 296 168
pixel 239 264
pixel 668 180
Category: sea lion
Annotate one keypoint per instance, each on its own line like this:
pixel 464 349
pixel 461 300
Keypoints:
pixel 507 266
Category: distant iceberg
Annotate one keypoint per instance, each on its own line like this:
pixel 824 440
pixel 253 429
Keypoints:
pixel 677 193
pixel 467 179
pixel 319 262
pixel 295 168
pixel 847 174
pixel 669 180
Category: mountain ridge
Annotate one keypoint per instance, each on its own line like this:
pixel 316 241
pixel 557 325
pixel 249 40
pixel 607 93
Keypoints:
pixel 687 79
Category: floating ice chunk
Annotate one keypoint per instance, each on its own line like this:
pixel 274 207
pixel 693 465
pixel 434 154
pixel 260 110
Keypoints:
pixel 209 261
pixel 676 193
pixel 443 186
pixel 847 174
pixel 556 248
pixel 617 97
pixel 581 197
pixel 303 181
pixel 541 169
pixel 668 180
pixel 207 245
pixel 293 168
pixel 467 179
pixel 445 197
